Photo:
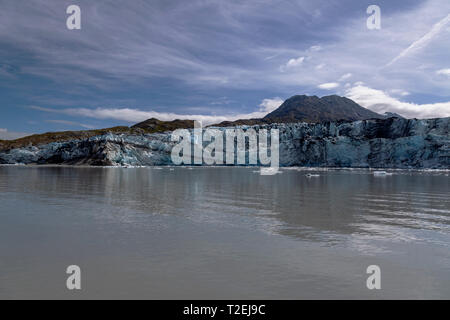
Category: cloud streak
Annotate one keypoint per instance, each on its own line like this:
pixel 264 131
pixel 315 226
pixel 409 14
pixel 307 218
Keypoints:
pixel 423 41
pixel 71 123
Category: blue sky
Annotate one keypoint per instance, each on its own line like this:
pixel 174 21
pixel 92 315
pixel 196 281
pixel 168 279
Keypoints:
pixel 214 60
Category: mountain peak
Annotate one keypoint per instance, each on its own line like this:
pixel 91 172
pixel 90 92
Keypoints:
pixel 156 125
pixel 302 108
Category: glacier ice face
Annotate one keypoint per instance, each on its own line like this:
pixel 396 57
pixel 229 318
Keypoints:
pixel 378 143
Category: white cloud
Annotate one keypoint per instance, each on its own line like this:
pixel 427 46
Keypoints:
pixel 295 62
pixel 136 115
pixel 269 105
pixel 445 72
pixel 423 41
pixel 3 130
pixel 381 102
pixel 320 66
pixel 129 114
pixel 345 77
pixel 292 63
pixel 364 58
pixel 400 92
pixel 328 85
pixel 315 48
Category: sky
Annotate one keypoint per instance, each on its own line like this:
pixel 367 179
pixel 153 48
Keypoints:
pixel 215 60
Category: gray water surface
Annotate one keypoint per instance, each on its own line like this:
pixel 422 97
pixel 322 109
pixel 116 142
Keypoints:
pixel 223 233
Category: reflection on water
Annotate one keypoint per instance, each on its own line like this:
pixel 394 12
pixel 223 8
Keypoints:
pixel 324 208
pixel 365 216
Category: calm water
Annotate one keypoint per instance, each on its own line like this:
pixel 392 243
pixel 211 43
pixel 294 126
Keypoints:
pixel 223 233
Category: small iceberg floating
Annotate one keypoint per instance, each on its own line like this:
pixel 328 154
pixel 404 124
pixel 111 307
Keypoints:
pixel 268 171
pixel 312 175
pixel 381 173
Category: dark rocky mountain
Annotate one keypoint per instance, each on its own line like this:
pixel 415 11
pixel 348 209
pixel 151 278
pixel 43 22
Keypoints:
pixel 242 122
pixel 155 125
pixel 312 109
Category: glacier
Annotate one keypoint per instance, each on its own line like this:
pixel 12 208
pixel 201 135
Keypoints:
pixel 376 143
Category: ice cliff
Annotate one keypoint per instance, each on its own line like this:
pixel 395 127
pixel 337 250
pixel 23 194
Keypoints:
pixel 377 143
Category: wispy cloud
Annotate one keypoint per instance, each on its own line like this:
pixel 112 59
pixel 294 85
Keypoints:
pixel 292 63
pixel 132 115
pixel 423 41
pixel 345 77
pixel 381 102
pixel 328 85
pixel 315 48
pixel 71 123
pixel 400 92
pixel 320 66
pixel 445 72
pixel 200 42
